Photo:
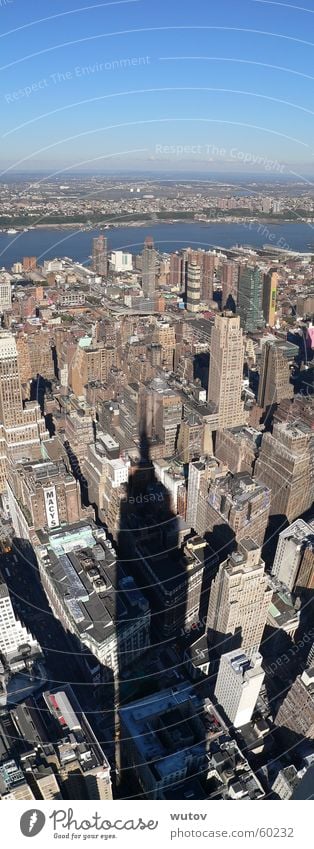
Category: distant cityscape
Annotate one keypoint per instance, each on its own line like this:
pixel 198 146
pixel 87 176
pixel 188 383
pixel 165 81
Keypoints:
pixel 156 499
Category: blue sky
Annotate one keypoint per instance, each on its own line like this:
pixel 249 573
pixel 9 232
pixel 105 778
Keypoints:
pixel 149 85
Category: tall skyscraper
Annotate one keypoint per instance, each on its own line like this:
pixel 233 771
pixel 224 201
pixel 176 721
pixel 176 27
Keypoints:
pixel 294 553
pixel 229 281
pixel 193 288
pixel 269 298
pixel 11 405
pixel 15 640
pixel 250 299
pixel 149 267
pixel 285 464
pixel 274 379
pixel 238 685
pixel 100 255
pixel 175 271
pixel 226 370
pixel 5 294
pixel 239 601
pixel 207 265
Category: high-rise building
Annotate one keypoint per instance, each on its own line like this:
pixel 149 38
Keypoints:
pixel 237 447
pixel 274 379
pixel 193 288
pixel 11 405
pixel 5 294
pixel 286 465
pixel 269 298
pixel 82 580
pixel 295 555
pixel 176 746
pixel 29 263
pixel 175 272
pixel 16 643
pixel 207 261
pixel 239 601
pixel 42 495
pixel 238 685
pixel 296 713
pixel 201 473
pixel 100 255
pixel 226 371
pixel 250 298
pixel 229 283
pixel 22 428
pixel 149 268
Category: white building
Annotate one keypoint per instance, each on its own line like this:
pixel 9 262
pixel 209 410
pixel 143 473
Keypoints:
pixel 121 261
pixel 238 685
pixel 13 635
pixel 290 549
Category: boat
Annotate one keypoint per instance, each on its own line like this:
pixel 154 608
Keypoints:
pixel 11 232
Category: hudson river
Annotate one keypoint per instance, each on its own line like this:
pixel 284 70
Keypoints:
pixel 77 244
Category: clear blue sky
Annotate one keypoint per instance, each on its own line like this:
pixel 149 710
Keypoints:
pixel 112 85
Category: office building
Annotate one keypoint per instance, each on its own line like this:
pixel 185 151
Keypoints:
pixel 286 465
pixel 17 644
pixel 226 371
pixel 296 713
pixel 91 361
pixel 29 263
pixel 5 295
pixel 250 298
pixel 237 506
pixel 100 256
pixel 229 284
pixel 237 447
pixel 193 288
pixel 201 472
pixel 269 298
pixel 84 583
pixel 286 782
pixel 13 784
pixel 83 769
pixel 35 356
pixel 294 558
pixel 149 268
pixel 176 579
pixel 121 261
pixel 275 370
pixel 239 601
pixel 238 685
pixel 23 426
pixel 42 495
pixel 176 746
pixel 175 271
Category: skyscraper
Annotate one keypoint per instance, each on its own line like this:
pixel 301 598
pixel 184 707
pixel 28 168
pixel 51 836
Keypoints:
pixel 295 548
pixel 175 271
pixel 274 379
pixel 250 299
pixel 226 370
pixel 229 281
pixel 269 298
pixel 239 601
pixel 285 464
pixel 100 251
pixel 193 288
pixel 15 640
pixel 149 263
pixel 238 684
pixel 11 405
